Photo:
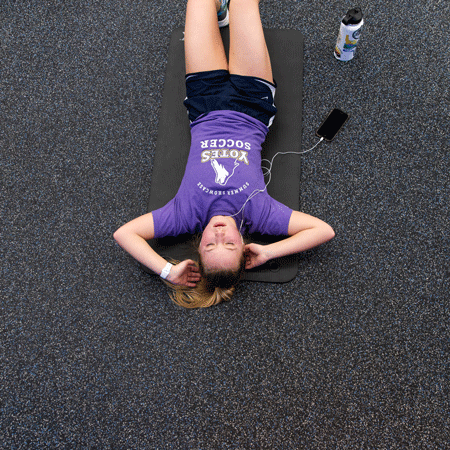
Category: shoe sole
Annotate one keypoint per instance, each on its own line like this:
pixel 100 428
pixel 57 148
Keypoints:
pixel 226 21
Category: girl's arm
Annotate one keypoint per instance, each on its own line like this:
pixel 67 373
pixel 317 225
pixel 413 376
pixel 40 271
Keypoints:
pixel 304 232
pixel 133 236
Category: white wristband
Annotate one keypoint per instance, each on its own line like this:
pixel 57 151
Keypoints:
pixel 165 271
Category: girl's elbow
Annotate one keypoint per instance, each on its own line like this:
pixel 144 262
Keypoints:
pixel 329 233
pixel 118 235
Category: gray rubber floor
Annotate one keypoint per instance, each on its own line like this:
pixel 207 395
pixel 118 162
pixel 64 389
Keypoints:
pixel 352 354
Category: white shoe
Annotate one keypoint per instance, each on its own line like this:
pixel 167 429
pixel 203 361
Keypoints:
pixel 222 15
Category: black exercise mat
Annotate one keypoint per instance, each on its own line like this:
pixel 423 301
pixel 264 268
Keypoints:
pixel 172 148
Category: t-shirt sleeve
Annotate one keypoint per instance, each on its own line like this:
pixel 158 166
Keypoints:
pixel 164 222
pixel 270 217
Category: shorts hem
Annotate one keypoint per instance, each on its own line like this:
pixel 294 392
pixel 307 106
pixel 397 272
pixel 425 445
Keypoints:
pixel 226 72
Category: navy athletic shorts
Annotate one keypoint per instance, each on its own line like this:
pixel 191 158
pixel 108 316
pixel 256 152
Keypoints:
pixel 219 90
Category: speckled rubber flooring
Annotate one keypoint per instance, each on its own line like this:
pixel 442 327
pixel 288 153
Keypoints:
pixel 352 354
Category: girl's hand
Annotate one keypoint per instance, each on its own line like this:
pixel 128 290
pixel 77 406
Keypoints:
pixel 185 273
pixel 255 255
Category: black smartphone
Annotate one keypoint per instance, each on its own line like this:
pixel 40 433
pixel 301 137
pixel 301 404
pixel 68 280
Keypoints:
pixel 332 124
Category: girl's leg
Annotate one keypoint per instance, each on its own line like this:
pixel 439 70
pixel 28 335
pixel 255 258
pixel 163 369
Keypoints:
pixel 202 41
pixel 248 50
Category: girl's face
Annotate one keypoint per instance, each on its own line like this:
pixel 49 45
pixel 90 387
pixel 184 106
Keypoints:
pixel 221 246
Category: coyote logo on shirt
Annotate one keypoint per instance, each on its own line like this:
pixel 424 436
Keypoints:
pixel 222 174
pixel 230 158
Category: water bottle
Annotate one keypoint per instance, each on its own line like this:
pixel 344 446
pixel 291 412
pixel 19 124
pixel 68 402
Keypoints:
pixel 349 34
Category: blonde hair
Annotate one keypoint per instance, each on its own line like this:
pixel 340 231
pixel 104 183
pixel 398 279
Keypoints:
pixel 213 288
pixel 198 297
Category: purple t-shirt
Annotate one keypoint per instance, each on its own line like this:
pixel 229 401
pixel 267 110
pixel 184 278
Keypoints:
pixel 223 169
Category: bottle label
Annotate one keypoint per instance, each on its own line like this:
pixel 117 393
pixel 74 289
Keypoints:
pixel 357 34
pixel 346 43
pixel 349 44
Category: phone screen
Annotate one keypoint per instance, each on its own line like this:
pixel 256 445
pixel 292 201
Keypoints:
pixel 332 124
